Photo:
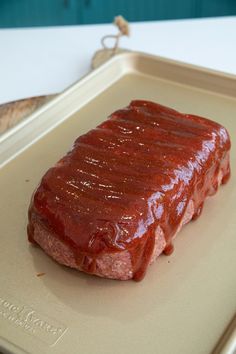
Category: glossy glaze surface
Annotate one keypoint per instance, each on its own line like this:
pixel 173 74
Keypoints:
pixel 137 170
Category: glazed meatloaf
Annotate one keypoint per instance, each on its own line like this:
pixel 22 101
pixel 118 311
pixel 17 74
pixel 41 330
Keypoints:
pixel 116 201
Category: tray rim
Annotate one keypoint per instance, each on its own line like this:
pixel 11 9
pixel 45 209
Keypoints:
pixel 11 347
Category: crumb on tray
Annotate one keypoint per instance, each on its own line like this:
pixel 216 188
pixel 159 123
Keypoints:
pixel 40 274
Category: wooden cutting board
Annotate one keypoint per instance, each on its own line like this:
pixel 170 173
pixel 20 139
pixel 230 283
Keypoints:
pixel 13 112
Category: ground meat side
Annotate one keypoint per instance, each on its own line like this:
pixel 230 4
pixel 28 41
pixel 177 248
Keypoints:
pixel 115 265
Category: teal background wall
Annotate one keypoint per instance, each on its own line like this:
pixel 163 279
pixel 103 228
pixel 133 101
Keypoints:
pixel 27 13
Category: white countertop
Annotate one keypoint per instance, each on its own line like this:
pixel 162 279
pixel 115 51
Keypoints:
pixel 47 60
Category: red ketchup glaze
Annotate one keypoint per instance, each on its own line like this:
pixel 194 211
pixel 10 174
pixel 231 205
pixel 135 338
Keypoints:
pixel 135 171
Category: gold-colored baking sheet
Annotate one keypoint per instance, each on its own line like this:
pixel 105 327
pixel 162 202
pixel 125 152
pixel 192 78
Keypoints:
pixel 186 301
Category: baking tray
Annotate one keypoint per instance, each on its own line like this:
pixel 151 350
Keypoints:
pixel 186 300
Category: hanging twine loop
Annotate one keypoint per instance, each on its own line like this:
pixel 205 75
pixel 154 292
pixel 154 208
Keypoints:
pixel 107 52
pixel 124 30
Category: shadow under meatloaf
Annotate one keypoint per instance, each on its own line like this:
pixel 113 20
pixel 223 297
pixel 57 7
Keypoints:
pixel 198 162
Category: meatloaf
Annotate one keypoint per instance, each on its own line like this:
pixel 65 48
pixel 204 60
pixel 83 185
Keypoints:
pixel 116 201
